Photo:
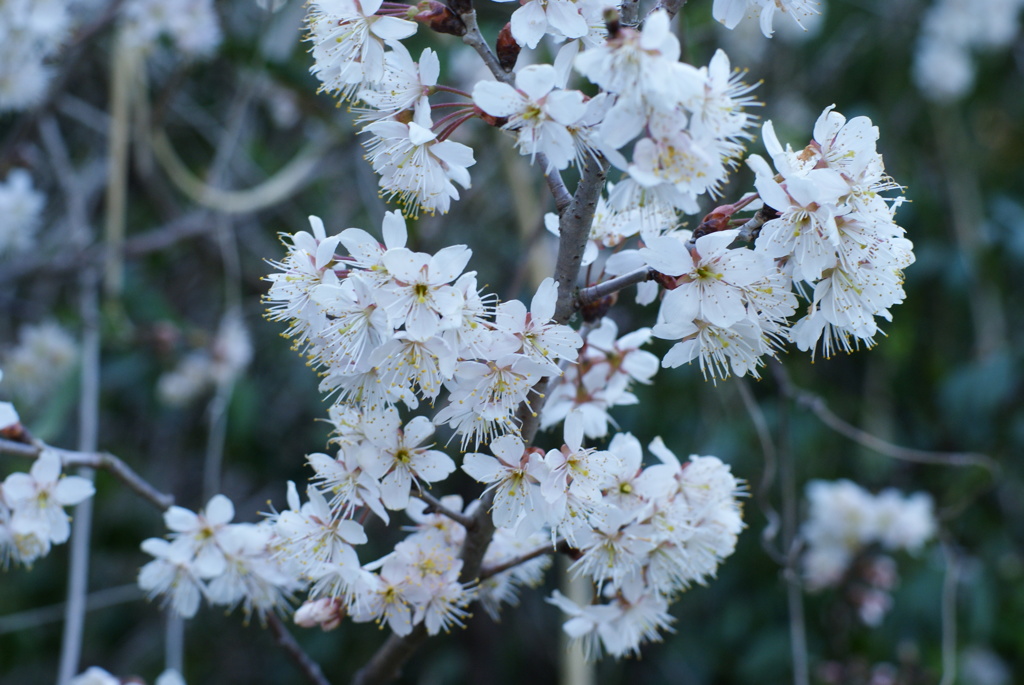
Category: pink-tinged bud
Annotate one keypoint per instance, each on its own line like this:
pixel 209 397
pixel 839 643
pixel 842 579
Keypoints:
pixel 507 47
pixel 325 612
pixel 439 18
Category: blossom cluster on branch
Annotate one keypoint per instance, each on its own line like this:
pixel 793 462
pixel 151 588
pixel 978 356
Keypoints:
pixel 407 345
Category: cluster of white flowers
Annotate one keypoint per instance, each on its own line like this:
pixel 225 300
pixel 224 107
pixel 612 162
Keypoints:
pixel 191 24
pixel 844 518
pixel 835 231
pixel 417 165
pixel 229 564
pixel 31 32
pixel 607 366
pixel 20 204
pixel 644 535
pixel 226 358
pixel 832 239
pixel 731 12
pixel 950 31
pixel 42 359
pixel 389 325
pixel 32 516
pixel 687 123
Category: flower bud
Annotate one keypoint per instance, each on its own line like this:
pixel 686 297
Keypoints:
pixel 324 612
pixel 595 311
pixel 507 47
pixel 461 6
pixel 489 119
pixel 439 18
pixel 612 22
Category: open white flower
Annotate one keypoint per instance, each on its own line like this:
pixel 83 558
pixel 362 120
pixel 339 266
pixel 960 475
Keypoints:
pixel 37 499
pixel 414 166
pixel 348 42
pixel 397 460
pixel 538 114
pixel 538 17
pixel 506 474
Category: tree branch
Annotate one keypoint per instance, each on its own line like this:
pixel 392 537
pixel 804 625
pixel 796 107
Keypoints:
pixel 434 504
pixel 560 546
pixel 475 40
pixel 596 293
pixel 97 460
pixel 670 6
pixel 286 641
pixel 819 408
pixel 573 233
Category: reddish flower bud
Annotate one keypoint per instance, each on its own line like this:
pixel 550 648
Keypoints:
pixel 665 281
pixel 508 48
pixel 489 119
pixel 612 22
pixel 595 311
pixel 15 432
pixel 461 6
pixel 440 18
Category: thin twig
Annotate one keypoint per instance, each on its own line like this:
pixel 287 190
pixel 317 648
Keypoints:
pixel 595 293
pixel 475 40
pixel 88 437
pixel 763 493
pixel 97 460
pixel 819 407
pixel 791 548
pixel 560 546
pixel 286 641
pixel 434 505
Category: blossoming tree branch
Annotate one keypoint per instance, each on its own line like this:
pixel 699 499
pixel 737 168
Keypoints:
pixel 429 376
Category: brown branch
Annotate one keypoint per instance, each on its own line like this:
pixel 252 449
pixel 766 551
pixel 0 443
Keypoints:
pixel 560 546
pixel 97 460
pixel 386 664
pixel 670 6
pixel 286 641
pixel 819 408
pixel 475 40
pixel 573 233
pixel 595 293
pixel 434 505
